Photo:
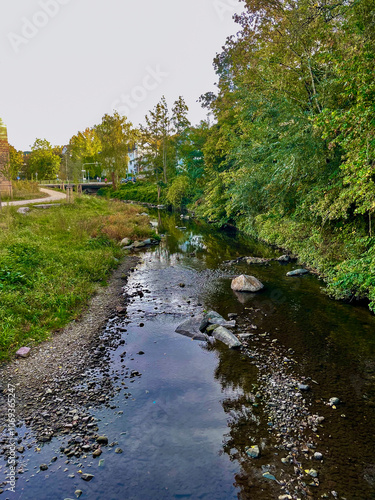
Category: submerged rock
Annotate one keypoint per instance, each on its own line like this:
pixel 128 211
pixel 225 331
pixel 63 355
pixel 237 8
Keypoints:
pixel 284 258
pixel 253 451
pixel 256 260
pixel 139 244
pixel 298 272
pixel 87 477
pixel 102 440
pixel 246 283
pixel 227 337
pixel 334 401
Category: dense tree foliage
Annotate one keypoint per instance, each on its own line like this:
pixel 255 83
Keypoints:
pixel 290 157
pixel 117 137
pixel 44 162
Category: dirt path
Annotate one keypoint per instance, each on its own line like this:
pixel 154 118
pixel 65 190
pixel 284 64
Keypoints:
pixel 52 196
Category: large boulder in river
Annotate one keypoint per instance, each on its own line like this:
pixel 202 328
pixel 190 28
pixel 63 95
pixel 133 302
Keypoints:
pixel 246 283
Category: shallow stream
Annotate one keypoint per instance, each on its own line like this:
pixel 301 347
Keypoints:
pixel 185 411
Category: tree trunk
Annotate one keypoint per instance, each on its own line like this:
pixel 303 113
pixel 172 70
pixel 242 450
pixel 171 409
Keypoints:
pixel 164 161
pixel 114 185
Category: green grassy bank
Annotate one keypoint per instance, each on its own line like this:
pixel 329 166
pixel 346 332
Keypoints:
pixel 344 254
pixel 52 261
pixel 139 191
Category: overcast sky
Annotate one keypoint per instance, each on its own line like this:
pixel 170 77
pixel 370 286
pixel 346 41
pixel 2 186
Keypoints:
pixel 65 63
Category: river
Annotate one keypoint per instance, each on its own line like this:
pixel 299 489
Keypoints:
pixel 185 411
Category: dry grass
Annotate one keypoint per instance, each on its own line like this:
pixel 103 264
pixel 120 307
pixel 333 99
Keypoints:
pixel 125 223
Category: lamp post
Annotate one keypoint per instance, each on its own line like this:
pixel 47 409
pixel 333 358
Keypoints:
pixel 96 163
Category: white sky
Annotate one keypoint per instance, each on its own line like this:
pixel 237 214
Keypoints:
pixel 65 65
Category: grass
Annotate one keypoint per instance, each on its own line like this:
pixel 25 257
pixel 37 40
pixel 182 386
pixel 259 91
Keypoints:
pixel 138 191
pixel 51 263
pixel 24 190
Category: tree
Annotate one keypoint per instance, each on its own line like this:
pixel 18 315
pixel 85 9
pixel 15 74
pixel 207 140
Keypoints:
pixel 15 164
pixel 162 139
pixel 44 163
pixel 117 136
pixel 85 148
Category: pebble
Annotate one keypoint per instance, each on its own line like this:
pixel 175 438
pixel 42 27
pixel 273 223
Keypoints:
pixel 43 467
pixel 318 456
pixel 253 451
pixel 78 493
pixel 87 477
pixel 312 473
pixel 303 387
pixel 97 453
pixel 102 440
pixel 118 450
pixel 334 401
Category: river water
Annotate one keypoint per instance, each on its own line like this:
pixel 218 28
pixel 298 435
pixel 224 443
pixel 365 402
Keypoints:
pixel 185 411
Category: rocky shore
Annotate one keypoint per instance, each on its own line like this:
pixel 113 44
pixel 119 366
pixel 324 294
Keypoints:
pixel 62 378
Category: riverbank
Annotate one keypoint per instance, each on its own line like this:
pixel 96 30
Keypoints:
pixel 52 261
pixel 45 379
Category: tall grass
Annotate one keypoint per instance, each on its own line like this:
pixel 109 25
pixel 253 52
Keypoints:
pixel 24 190
pixel 52 261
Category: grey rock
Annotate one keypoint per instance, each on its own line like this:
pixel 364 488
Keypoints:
pixel 303 387
pixel 23 210
pixel 78 493
pixel 284 258
pixel 256 260
pixel 45 207
pixel 334 401
pixel 313 473
pixel 214 318
pixel 125 242
pixel 24 352
pixel 139 244
pixel 298 272
pixel 253 451
pixel 226 337
pixel 318 456
pixel 246 283
pixel 190 328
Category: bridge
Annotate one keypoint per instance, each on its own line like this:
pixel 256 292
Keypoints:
pixel 87 187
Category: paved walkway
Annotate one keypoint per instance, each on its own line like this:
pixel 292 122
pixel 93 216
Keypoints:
pixel 52 196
